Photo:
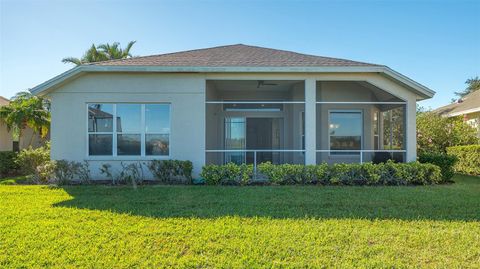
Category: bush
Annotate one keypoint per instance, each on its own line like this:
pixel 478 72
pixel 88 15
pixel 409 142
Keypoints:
pixel 8 165
pixel 468 159
pixel 446 163
pixel 435 133
pixel 36 162
pixel 64 172
pixel 388 173
pixel 172 171
pixel 228 174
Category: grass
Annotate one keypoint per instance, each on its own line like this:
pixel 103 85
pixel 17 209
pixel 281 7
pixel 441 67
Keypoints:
pixel 14 180
pixel 247 227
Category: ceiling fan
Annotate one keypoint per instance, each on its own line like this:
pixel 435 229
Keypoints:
pixel 261 83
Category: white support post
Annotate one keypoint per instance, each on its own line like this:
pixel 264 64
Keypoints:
pixel 310 121
pixel 411 131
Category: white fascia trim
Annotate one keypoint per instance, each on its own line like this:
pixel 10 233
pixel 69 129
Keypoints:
pixel 406 80
pixel 204 69
pixel 473 110
pixel 56 80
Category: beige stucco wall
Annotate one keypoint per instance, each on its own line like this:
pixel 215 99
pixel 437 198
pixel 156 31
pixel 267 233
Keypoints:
pixel 186 94
pixel 6 138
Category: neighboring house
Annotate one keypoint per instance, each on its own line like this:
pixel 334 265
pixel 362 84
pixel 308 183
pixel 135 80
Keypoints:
pixel 468 107
pixel 236 103
pixel 7 140
pixel 6 137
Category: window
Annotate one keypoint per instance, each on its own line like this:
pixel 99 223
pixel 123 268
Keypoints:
pixel 138 129
pixel 345 132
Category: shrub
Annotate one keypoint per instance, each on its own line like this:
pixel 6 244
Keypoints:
pixel 36 162
pixel 228 174
pixel 131 173
pixel 29 159
pixel 388 173
pixel 64 172
pixel 285 174
pixel 172 171
pixel 435 133
pixel 468 159
pixel 8 165
pixel 446 163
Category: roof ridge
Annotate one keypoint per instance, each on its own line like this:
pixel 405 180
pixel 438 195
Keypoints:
pixel 305 54
pixel 232 45
pixel 163 54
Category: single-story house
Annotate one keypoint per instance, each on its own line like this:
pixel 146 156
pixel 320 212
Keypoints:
pixel 236 103
pixel 9 142
pixel 468 107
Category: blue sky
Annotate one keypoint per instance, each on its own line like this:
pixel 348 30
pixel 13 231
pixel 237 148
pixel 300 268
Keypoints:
pixel 436 43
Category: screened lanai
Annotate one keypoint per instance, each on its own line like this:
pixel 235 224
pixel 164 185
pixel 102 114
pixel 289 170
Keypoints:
pixel 254 121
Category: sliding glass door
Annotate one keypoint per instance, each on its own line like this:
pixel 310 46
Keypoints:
pixel 235 139
pixel 254 134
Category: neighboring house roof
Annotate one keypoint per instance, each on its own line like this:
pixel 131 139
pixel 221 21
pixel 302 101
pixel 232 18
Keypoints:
pixel 233 55
pixel 470 103
pixel 235 59
pixel 4 101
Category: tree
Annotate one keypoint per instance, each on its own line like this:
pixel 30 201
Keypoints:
pixel 473 85
pixel 101 53
pixel 435 133
pixel 115 52
pixel 26 110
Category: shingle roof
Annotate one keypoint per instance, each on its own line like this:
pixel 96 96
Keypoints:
pixel 234 56
pixel 4 101
pixel 467 103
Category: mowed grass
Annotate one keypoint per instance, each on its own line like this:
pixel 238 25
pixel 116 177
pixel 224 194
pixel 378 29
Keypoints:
pixel 243 227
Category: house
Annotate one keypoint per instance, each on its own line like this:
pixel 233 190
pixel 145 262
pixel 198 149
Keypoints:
pixel 468 107
pixel 9 142
pixel 235 103
pixel 6 137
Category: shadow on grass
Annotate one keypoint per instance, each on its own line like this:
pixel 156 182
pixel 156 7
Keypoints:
pixel 460 201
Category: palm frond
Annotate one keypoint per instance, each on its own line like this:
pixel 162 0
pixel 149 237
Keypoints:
pixel 72 60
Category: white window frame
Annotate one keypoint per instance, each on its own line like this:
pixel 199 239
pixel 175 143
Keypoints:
pixel 361 136
pixel 142 133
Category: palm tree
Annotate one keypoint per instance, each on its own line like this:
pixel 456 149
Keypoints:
pixel 27 110
pixel 90 56
pixel 115 52
pixel 473 84
pixel 102 52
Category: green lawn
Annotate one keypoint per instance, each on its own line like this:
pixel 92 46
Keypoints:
pixel 203 226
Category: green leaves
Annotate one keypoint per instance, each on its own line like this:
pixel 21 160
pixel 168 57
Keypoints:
pixel 102 52
pixel 468 159
pixel 27 110
pixel 388 173
pixel 435 133
pixel 171 171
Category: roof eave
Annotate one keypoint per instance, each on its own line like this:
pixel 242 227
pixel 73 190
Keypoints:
pixel 420 89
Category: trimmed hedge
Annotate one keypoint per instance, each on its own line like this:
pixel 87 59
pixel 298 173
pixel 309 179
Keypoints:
pixel 228 174
pixel 446 163
pixel 468 159
pixel 8 164
pixel 388 173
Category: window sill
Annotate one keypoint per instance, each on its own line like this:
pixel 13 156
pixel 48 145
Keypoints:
pixel 126 158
